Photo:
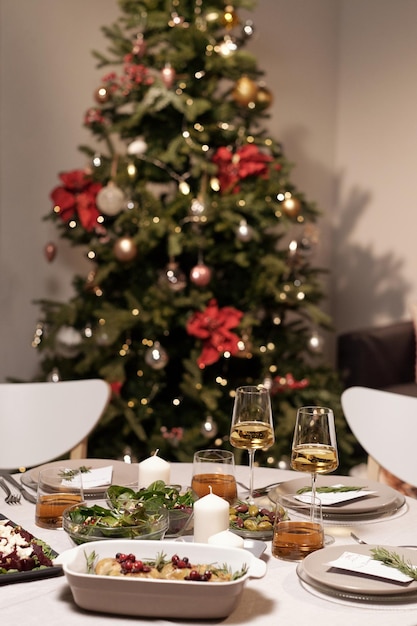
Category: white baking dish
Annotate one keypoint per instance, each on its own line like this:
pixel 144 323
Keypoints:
pixel 175 599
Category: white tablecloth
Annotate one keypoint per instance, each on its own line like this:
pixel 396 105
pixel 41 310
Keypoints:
pixel 278 598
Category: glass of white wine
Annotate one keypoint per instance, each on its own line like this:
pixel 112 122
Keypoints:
pixel 252 427
pixel 314 447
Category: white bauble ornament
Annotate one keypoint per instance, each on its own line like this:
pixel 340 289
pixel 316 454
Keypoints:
pixel 138 146
pixel 68 341
pixel 110 199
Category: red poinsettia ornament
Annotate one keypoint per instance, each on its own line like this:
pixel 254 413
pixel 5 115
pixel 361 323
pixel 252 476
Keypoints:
pixel 233 167
pixel 213 326
pixel 287 383
pixel 76 197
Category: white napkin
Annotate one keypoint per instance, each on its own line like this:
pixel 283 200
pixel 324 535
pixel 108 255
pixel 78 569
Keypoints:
pixel 98 477
pixel 336 497
pixel 366 565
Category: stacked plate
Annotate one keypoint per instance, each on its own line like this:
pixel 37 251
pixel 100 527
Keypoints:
pixel 318 575
pixel 382 501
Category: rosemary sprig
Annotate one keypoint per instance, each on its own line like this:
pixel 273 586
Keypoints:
pixel 392 559
pixel 69 474
pixel 341 489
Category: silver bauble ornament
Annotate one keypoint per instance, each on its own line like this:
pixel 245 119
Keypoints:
pixel 54 376
pixel 156 357
pixel 209 428
pixel 110 199
pixel 173 277
pixel 244 232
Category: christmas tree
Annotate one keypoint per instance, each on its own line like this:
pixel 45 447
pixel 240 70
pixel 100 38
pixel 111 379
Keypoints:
pixel 201 247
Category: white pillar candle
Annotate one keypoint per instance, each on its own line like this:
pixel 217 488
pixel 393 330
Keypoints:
pixel 211 516
pixel 152 469
pixel 226 538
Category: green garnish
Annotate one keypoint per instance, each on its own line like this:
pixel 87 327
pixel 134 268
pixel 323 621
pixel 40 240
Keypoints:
pixel 392 559
pixel 158 494
pixel 69 474
pixel 341 489
pixel 91 561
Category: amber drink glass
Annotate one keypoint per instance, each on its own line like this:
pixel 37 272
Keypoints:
pixel 57 490
pixel 214 470
pixel 298 527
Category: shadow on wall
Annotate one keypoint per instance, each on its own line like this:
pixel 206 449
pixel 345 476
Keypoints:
pixel 368 287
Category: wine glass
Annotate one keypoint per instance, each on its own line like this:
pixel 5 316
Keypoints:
pixel 252 428
pixel 314 447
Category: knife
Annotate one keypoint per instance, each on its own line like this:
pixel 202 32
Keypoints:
pixel 28 496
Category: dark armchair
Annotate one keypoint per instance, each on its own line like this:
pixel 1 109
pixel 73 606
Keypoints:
pixel 381 358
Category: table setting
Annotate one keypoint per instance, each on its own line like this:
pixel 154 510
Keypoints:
pixel 291 544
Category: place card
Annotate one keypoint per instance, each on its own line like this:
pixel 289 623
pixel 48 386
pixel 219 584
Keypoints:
pixel 97 477
pixel 328 498
pixel 367 566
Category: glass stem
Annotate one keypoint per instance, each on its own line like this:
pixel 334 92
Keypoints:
pixel 251 458
pixel 313 495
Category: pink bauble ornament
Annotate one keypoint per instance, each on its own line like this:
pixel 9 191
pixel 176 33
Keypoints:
pixel 139 45
pixel 168 75
pixel 50 251
pixel 110 199
pixel 200 275
pixel 125 249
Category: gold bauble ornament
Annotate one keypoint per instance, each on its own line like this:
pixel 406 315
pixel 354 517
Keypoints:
pixel 230 18
pixel 101 95
pixel 291 206
pixel 125 249
pixel 264 97
pixel 245 91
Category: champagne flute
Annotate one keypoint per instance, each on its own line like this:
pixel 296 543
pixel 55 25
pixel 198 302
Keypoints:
pixel 314 447
pixel 252 428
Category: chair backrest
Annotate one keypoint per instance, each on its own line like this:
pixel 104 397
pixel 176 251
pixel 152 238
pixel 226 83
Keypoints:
pixel 385 424
pixel 43 421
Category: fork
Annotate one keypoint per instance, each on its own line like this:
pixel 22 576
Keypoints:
pixel 261 491
pixel 11 498
pixel 365 543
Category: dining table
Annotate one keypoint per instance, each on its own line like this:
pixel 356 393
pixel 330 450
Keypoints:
pixel 280 597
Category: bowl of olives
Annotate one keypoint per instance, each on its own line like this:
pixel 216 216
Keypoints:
pixel 251 521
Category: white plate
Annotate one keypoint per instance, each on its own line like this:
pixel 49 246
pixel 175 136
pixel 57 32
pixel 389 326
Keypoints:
pixel 147 597
pixel 385 501
pixel 125 474
pixel 316 572
pixel 252 545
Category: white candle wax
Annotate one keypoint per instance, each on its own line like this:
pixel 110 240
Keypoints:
pixel 152 469
pixel 226 538
pixel 211 516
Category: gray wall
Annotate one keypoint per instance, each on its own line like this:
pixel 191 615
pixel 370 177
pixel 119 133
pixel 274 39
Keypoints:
pixel 344 107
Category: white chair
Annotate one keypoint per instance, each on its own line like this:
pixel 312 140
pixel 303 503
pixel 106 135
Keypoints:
pixel 385 424
pixel 43 421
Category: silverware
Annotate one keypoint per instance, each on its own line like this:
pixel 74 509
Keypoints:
pixel 365 543
pixel 27 496
pixel 261 491
pixel 10 498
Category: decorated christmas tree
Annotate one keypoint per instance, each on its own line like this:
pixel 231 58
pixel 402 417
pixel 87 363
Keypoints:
pixel 201 248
